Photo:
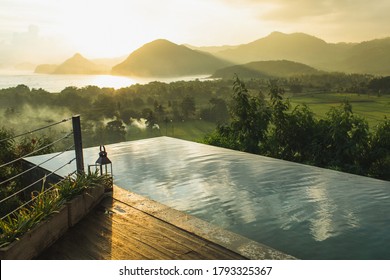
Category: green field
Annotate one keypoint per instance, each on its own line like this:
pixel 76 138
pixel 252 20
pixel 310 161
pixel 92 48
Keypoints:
pixel 372 108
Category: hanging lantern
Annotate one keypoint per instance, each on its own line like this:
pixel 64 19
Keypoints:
pixel 103 164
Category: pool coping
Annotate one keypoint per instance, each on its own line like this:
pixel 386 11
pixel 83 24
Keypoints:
pixel 246 247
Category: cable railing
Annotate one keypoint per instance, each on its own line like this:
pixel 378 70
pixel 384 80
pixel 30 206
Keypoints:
pixel 19 179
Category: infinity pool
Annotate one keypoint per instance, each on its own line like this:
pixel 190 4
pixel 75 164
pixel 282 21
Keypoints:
pixel 307 212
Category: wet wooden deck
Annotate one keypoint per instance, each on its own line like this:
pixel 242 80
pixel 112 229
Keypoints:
pixel 115 230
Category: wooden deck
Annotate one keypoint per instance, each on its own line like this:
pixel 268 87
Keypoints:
pixel 115 230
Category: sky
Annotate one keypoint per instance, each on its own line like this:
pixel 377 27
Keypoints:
pixel 33 30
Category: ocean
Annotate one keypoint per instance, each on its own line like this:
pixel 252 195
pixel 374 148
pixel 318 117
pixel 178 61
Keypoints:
pixel 56 83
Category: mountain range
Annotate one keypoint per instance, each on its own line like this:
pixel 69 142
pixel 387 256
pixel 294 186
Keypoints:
pixel 162 58
pixel 371 57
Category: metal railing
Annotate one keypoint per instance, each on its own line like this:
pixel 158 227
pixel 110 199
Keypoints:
pixel 76 145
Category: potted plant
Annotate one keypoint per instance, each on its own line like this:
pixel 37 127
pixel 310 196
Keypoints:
pixel 25 233
pixel 28 231
pixel 82 193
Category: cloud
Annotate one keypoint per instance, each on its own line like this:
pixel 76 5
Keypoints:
pixel 337 20
pixel 287 10
pixel 29 46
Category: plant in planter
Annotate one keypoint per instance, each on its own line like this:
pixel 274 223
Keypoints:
pixel 31 229
pixel 28 231
pixel 44 204
pixel 82 193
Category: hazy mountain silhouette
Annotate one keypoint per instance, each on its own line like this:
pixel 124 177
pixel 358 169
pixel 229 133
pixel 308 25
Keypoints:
pixel 265 69
pixel 297 47
pixel 79 65
pixel 162 58
pixel 368 57
pixel 46 68
pixel 371 57
pixel 211 49
pixel 74 65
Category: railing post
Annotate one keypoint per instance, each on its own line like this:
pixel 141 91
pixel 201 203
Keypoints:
pixel 78 145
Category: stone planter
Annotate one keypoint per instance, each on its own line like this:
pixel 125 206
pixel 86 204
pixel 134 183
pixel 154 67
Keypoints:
pixel 92 197
pixel 36 240
pixel 43 235
pixel 76 210
pixel 80 206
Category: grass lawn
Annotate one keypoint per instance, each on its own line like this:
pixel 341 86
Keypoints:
pixel 372 108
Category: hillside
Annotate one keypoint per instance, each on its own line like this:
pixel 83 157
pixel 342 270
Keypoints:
pixel 370 57
pixel 45 68
pixel 297 47
pixel 162 58
pixel 265 69
pixel 74 65
pixel 79 65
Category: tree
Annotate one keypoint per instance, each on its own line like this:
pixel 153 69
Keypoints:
pixel 115 131
pixel 278 137
pixel 217 112
pixel 250 118
pixel 345 140
pixel 188 106
pixel 380 151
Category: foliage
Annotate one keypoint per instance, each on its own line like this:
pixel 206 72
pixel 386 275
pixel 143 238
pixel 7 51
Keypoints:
pixel 44 204
pixel 272 126
pixel 47 202
pixel 73 186
pixel 342 140
pixel 380 85
pixel 380 151
pixel 249 122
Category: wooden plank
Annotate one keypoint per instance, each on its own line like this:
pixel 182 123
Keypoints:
pixel 115 230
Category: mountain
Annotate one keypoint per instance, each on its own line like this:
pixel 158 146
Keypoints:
pixel 371 57
pixel 162 58
pixel 45 68
pixel 265 69
pixel 297 47
pixel 79 65
pixel 74 65
pixel 212 49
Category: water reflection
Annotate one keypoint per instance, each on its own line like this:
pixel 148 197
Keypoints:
pixel 322 224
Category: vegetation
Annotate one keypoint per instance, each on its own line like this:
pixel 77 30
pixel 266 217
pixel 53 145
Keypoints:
pixel 11 149
pixel 191 110
pixel 45 203
pixel 341 140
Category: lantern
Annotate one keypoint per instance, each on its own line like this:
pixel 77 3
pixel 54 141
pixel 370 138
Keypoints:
pixel 103 165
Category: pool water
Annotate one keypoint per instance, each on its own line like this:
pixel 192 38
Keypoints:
pixel 305 211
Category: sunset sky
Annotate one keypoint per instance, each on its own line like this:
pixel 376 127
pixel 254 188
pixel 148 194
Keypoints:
pixel 111 28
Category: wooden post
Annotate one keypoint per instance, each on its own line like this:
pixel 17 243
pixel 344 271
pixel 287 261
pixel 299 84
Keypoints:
pixel 78 145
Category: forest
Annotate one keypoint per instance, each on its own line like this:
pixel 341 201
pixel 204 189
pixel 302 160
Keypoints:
pixel 255 115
